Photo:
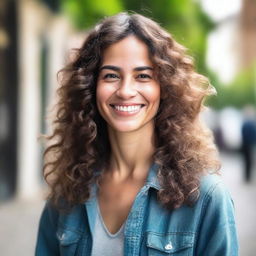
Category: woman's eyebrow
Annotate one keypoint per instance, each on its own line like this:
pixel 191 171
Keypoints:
pixel 115 68
pixel 143 68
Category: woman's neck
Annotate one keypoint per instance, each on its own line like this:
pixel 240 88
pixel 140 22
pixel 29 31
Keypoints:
pixel 131 153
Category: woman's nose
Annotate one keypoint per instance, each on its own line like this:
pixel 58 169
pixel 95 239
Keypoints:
pixel 127 89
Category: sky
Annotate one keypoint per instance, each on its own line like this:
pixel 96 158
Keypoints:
pixel 221 9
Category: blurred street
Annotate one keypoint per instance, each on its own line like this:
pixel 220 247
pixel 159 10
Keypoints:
pixel 244 198
pixel 19 220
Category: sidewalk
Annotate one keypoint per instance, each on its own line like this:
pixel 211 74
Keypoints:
pixel 18 227
pixel 19 219
pixel 244 196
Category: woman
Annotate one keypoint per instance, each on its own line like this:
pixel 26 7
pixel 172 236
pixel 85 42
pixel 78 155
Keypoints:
pixel 131 161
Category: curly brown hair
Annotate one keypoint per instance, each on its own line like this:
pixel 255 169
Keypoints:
pixel 184 146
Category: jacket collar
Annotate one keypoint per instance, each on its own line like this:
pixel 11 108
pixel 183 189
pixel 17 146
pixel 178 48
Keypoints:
pixel 152 179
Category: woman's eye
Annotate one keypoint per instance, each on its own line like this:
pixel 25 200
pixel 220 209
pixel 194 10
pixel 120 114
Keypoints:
pixel 110 76
pixel 144 76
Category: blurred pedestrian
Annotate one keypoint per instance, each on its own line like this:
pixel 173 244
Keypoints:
pixel 248 141
pixel 133 169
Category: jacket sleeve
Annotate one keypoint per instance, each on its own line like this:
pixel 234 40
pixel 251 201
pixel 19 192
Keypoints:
pixel 217 230
pixel 47 243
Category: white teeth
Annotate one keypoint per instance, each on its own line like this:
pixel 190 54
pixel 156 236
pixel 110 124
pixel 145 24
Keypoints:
pixel 127 108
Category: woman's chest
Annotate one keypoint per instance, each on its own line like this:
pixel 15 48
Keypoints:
pixel 115 203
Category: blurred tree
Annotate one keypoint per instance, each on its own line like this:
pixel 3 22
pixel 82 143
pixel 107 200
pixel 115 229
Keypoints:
pixel 240 92
pixel 85 13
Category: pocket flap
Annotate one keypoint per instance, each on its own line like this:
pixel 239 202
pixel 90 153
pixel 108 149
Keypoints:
pixel 67 237
pixel 171 242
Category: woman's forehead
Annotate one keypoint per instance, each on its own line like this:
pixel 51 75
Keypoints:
pixel 128 51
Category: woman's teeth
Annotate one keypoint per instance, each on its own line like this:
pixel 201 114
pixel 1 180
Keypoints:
pixel 127 108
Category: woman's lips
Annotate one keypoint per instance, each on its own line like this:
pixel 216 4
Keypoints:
pixel 127 109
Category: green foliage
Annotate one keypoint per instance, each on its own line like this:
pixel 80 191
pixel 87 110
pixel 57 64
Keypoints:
pixel 85 13
pixel 240 92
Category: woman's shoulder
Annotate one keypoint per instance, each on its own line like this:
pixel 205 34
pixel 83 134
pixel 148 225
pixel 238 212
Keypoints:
pixel 210 181
pixel 213 190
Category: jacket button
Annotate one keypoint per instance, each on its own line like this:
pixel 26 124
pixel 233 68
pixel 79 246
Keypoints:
pixel 168 246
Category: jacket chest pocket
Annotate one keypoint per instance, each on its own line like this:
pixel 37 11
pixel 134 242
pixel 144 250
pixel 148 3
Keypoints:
pixel 176 244
pixel 68 242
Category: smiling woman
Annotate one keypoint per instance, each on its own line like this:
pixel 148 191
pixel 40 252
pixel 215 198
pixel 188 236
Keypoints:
pixel 128 93
pixel 133 170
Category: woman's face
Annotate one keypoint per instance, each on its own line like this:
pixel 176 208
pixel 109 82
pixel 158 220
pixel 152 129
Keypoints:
pixel 128 93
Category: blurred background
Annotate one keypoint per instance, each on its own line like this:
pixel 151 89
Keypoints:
pixel 35 41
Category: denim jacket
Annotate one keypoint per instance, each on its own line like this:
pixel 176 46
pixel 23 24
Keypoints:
pixel 205 229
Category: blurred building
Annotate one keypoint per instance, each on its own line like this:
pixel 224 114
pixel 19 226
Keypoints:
pixel 33 46
pixel 232 44
pixel 248 32
pixel 8 97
